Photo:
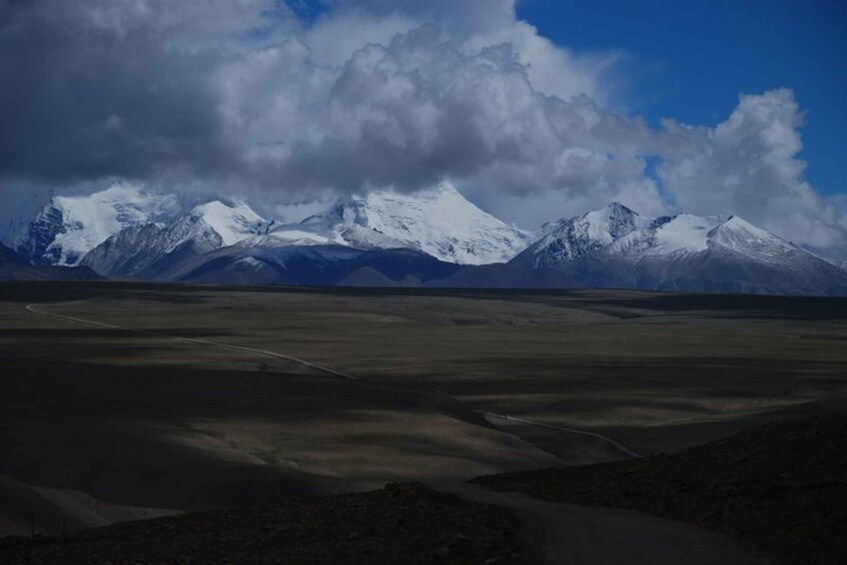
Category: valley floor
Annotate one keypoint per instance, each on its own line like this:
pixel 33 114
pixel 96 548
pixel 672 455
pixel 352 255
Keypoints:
pixel 192 398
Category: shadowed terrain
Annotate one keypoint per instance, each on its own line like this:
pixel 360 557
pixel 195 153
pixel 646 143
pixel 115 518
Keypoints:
pixel 405 523
pixel 152 398
pixel 781 487
pixel 656 371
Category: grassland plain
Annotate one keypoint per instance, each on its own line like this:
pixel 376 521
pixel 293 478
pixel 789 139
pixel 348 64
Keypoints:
pixel 126 413
pixel 636 362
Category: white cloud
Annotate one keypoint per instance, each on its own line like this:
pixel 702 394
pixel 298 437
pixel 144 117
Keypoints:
pixel 474 25
pixel 749 165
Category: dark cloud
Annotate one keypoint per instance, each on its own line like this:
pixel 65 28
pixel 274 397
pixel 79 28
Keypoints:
pixel 83 100
pixel 154 89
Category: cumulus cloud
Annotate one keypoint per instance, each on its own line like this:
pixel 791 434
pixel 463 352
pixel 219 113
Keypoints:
pixel 242 95
pixel 374 94
pixel 417 109
pixel 473 25
pixel 749 165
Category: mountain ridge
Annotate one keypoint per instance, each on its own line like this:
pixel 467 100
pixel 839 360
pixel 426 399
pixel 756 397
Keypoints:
pixel 150 250
pixel 434 237
pixel 615 247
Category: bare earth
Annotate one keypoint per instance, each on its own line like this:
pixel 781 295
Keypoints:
pixel 185 398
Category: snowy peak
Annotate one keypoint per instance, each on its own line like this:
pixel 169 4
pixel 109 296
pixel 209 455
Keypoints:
pixel 232 222
pixel 70 226
pixel 609 223
pixel 569 239
pixel 739 236
pixel 438 221
pixel 614 247
pixel 140 248
pixel 606 224
pixel 684 233
pixel 617 231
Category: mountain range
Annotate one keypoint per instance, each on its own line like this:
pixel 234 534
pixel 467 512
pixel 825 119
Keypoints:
pixel 433 237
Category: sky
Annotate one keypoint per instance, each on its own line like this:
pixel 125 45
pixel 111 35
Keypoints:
pixel 690 60
pixel 535 110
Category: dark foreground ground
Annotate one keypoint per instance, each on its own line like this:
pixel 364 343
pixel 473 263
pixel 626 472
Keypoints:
pixel 402 523
pixel 781 488
pixel 780 491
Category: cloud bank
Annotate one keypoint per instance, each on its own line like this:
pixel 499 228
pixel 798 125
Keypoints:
pixel 244 95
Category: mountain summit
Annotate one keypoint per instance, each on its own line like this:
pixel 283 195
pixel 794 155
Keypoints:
pixel 68 227
pixel 150 250
pixel 617 231
pixel 615 247
pixel 568 239
pixel 438 221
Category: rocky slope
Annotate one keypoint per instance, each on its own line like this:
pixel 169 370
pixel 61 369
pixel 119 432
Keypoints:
pixel 68 227
pixel 151 250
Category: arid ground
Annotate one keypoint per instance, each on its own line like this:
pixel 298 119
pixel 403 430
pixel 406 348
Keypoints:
pixel 123 400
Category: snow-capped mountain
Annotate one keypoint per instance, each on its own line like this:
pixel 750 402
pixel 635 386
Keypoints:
pixel 433 237
pixel 383 239
pixel 617 231
pixel 68 227
pixel 150 250
pixel 568 239
pixel 439 222
pixel 232 222
pixel 615 247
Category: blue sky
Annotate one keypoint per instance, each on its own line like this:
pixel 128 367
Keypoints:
pixel 691 59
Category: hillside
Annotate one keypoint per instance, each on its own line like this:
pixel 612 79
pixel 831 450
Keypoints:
pixel 402 523
pixel 781 487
